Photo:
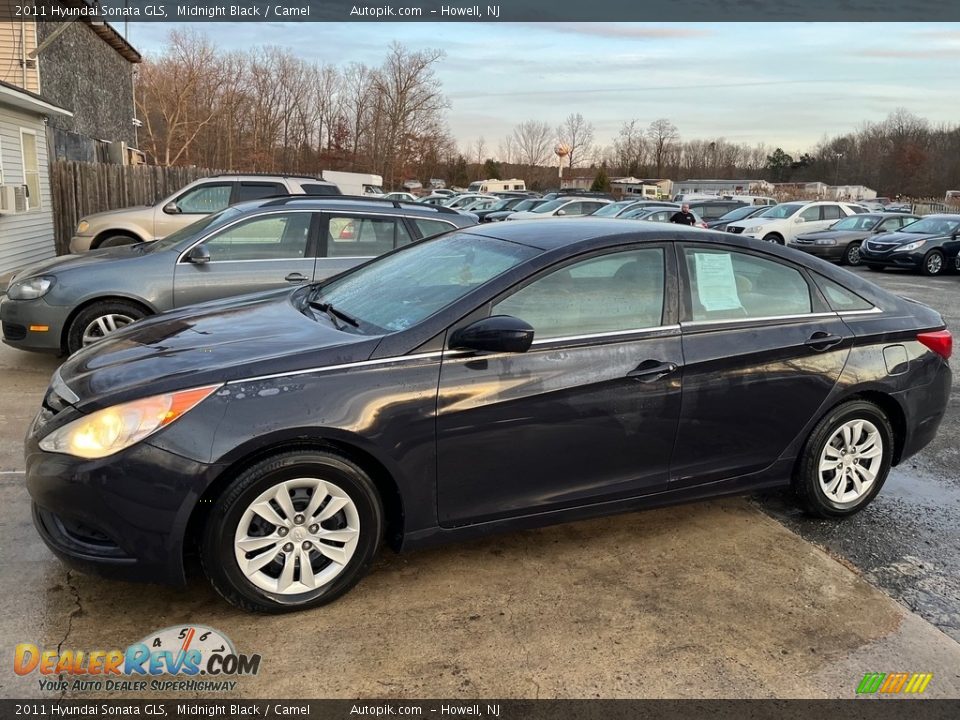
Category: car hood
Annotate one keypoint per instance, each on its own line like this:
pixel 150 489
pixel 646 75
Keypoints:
pixel 123 253
pixel 835 235
pixel 901 238
pixel 754 222
pixel 137 211
pixel 209 344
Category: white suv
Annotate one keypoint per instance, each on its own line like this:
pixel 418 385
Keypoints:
pixel 562 207
pixel 188 204
pixel 782 223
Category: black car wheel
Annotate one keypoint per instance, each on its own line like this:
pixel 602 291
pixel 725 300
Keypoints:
pixel 293 531
pixel 116 241
pixel 94 323
pixel 845 460
pixel 852 254
pixel 934 263
pixel 773 238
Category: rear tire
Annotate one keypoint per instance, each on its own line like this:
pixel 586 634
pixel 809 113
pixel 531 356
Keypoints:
pixel 934 263
pixel 845 460
pixel 852 254
pixel 99 320
pixel 773 238
pixel 235 533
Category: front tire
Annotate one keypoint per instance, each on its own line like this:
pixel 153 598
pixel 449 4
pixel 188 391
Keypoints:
pixel 845 460
pixel 773 238
pixel 116 241
pixel 852 254
pixel 934 263
pixel 294 531
pixel 96 322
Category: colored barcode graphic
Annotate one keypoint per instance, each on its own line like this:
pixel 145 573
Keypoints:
pixel 892 683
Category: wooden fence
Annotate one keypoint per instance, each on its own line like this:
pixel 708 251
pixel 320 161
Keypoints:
pixel 79 188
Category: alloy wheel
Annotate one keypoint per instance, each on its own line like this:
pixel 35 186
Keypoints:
pixel 853 254
pixel 297 536
pixel 850 461
pixel 98 328
pixel 934 263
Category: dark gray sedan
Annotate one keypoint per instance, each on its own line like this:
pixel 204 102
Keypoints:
pixel 63 304
pixel 841 241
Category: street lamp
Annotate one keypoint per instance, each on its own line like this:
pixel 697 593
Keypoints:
pixel 836 179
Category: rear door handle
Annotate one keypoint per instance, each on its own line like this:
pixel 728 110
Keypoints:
pixel 821 341
pixel 651 370
pixel 295 277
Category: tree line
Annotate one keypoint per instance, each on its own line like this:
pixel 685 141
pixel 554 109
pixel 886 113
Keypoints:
pixel 266 110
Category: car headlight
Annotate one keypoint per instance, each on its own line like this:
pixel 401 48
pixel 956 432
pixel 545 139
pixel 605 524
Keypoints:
pixel 31 288
pixel 82 227
pixel 826 241
pixel 112 429
pixel 915 245
pixel 756 230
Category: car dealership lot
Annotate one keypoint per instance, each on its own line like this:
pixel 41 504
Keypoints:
pixel 714 599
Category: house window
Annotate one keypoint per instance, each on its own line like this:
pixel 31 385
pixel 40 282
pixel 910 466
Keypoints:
pixel 31 167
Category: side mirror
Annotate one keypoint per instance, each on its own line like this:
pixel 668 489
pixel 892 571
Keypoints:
pixel 171 208
pixel 561 212
pixel 498 333
pixel 198 255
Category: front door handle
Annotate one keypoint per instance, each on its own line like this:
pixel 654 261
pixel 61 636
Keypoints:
pixel 651 370
pixel 295 277
pixel 821 341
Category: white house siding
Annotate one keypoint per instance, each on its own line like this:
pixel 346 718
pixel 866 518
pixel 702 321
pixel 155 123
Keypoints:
pixel 27 237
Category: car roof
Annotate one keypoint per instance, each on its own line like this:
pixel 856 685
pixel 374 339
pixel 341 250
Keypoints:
pixel 346 203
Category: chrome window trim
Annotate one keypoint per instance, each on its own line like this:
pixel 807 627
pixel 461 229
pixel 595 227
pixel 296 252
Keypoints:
pixel 223 228
pixel 872 311
pixel 765 318
pixel 605 335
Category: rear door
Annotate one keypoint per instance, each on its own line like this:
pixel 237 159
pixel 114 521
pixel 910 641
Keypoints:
pixel 262 252
pixel 762 350
pixel 348 239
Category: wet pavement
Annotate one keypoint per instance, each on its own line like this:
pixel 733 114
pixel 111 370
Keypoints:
pixel 907 541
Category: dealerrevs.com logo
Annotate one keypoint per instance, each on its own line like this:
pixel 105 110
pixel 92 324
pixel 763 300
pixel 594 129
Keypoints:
pixel 190 651
pixel 894 683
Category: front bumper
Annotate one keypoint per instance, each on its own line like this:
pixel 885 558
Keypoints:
pixel 124 516
pixel 907 260
pixel 827 252
pixel 80 243
pixel 32 324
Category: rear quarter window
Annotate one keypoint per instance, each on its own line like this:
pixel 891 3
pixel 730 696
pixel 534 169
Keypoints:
pixel 840 298
pixel 319 189
pixel 429 228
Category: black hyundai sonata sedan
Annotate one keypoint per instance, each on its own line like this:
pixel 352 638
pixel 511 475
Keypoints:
pixel 506 376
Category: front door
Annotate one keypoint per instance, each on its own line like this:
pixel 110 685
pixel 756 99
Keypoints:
pixel 260 253
pixel 587 414
pixel 191 205
pixel 762 351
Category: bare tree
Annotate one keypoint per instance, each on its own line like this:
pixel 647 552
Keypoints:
pixel 532 139
pixel 577 134
pixel 662 135
pixel 630 149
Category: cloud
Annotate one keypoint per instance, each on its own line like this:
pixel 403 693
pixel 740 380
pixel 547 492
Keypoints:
pixel 630 32
pixel 942 34
pixel 926 54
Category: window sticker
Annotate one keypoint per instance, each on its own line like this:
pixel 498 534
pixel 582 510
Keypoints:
pixel 716 283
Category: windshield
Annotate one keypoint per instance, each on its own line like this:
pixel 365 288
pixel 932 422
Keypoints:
pixel 550 206
pixel 739 213
pixel 933 226
pixel 525 205
pixel 857 222
pixel 399 290
pixel 780 211
pixel 613 209
pixel 195 229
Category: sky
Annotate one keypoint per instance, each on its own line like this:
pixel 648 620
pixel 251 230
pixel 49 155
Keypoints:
pixel 782 84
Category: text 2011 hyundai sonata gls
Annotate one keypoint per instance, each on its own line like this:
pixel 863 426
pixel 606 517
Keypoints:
pixel 501 377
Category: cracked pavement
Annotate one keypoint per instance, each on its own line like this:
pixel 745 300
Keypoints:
pixel 731 598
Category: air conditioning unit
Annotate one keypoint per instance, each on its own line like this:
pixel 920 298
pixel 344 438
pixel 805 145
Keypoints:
pixel 13 199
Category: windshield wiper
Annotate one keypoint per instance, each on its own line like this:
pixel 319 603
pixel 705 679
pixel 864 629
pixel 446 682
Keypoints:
pixel 333 313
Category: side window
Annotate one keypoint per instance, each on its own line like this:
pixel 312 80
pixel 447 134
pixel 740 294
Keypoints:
pixel 278 236
pixel 363 236
pixel 429 228
pixel 319 189
pixel 575 208
pixel 257 190
pixel 727 285
pixel 205 199
pixel 621 291
pixel 891 225
pixel 811 213
pixel 840 298
pixel 832 212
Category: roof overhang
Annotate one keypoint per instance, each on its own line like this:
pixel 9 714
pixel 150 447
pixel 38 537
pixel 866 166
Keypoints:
pixel 28 101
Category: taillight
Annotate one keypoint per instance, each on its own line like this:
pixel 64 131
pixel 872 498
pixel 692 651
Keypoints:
pixel 940 341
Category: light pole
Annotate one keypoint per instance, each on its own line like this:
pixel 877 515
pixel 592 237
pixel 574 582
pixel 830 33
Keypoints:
pixel 836 179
